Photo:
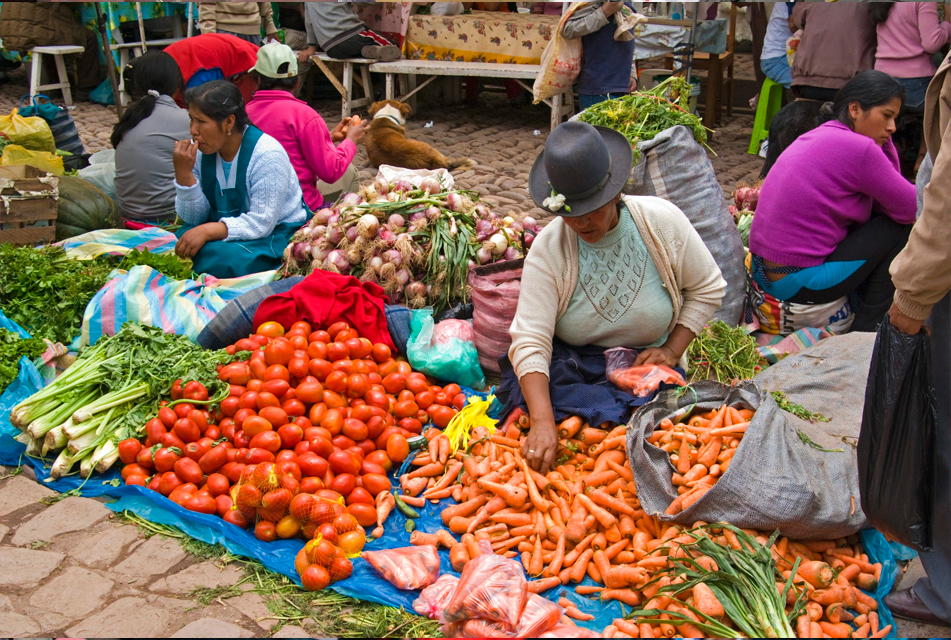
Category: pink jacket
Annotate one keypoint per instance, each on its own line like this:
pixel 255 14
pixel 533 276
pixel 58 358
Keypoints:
pixel 305 137
pixel 908 40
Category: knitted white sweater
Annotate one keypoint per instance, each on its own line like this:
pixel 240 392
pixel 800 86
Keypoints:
pixel 550 276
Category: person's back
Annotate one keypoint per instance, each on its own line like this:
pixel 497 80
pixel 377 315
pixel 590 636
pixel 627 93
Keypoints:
pixel 212 51
pixel 908 39
pixel 838 42
pixel 145 138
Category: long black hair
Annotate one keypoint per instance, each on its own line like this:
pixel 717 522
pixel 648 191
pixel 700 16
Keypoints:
pixel 154 71
pixel 218 100
pixel 870 89
pixel 878 11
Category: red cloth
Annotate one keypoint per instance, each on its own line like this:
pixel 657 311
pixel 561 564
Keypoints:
pixel 324 298
pixel 213 51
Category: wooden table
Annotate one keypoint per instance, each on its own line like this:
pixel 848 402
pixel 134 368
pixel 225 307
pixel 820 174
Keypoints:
pixel 561 105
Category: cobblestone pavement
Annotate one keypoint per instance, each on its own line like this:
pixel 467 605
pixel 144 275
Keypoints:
pixel 73 569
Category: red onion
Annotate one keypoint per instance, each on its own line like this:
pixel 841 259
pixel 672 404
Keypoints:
pixel 351 200
pixel 529 223
pixel 430 185
pixel 511 254
pixel 415 294
pixel 367 226
pixel 304 233
pixel 337 262
pixel 455 202
pixel 334 235
pixel 300 251
pixel 433 212
pixel 320 250
pixel 396 221
pixel 484 255
pixel 484 227
pixel 404 276
pixel 375 263
pixel 351 234
pixel 402 185
pixel 387 236
pixel 417 225
pixel 516 227
pixel 396 296
pixel 481 210
pixel 318 231
pixel 393 257
pixel 472 264
pixel 417 216
pixel 323 215
pixel 529 239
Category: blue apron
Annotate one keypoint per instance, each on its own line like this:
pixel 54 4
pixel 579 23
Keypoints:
pixel 224 259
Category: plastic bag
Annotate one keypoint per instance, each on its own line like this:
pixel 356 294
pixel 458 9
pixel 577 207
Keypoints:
pixel 65 134
pixel 566 631
pixel 538 616
pixel 435 597
pixel 406 567
pixel 491 588
pixel 101 172
pixel 452 359
pixel 897 441
pixel 626 20
pixel 560 63
pixel 448 330
pixel 42 160
pixel 640 380
pixel 31 133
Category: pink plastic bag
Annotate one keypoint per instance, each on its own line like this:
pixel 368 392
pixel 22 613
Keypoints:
pixel 495 290
pixel 407 567
pixel 640 380
pixel 434 598
pixel 565 631
pixel 449 329
pixel 491 588
pixel 538 616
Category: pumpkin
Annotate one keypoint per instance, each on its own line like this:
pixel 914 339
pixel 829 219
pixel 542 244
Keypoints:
pixel 82 208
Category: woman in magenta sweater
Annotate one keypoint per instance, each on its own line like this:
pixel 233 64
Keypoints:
pixel 300 129
pixel 834 210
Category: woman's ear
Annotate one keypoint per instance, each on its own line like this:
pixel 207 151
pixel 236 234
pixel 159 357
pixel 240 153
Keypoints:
pixel 855 110
pixel 228 123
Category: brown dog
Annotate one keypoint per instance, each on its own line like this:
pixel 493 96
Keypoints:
pixel 386 141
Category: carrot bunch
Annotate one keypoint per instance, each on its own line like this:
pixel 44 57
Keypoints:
pixel 701 449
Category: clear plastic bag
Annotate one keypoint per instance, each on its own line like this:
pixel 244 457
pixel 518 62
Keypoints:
pixel 491 588
pixel 406 567
pixel 452 329
pixel 451 359
pixel 566 631
pixel 640 380
pixel 538 616
pixel 435 597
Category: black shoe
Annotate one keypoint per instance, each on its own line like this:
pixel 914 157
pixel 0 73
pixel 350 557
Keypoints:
pixel 906 604
pixel 386 53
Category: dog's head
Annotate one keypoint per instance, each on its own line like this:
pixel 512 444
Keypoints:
pixel 397 111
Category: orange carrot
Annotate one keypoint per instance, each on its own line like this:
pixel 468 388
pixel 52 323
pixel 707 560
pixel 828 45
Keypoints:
pixel 537 586
pixel 802 626
pixel 537 563
pixel 646 630
pixel 465 509
pixel 458 556
pixel 862 631
pixel 598 479
pixel 575 553
pixel 579 568
pixel 414 501
pixel 429 470
pixel 554 567
pixel 420 538
pixel 573 612
pixel 623 576
pixel 612 442
pixel 625 596
pixel 815 611
pixel 511 519
pixel 829 595
pixel 602 515
pixel 540 503
pixel 734 430
pixel 866 581
pixel 867 600
pixel 836 630
pixel 513 496
pixel 850 573
pixel 817 573
pixel 628 627
pixel 609 502
pixel 881 633
pixel 569 427
pixel 706 602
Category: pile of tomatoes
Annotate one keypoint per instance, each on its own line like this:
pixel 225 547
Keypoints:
pixel 326 411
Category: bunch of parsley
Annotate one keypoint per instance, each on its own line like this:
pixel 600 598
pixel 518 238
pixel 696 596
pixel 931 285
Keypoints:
pixel 12 348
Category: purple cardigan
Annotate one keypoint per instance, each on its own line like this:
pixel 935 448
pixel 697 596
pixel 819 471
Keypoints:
pixel 821 188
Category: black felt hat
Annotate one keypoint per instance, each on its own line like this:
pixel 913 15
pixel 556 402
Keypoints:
pixel 585 164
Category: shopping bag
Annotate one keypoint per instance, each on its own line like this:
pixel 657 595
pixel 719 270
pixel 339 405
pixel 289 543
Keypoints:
pixel 61 123
pixel 31 133
pixel 42 160
pixel 897 440
pixel 560 63
pixel 626 20
pixel 443 352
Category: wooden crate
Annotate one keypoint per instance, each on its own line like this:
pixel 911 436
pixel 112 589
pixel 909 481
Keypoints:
pixel 28 199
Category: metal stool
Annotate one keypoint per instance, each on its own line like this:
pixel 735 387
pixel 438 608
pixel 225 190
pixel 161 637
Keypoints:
pixel 57 51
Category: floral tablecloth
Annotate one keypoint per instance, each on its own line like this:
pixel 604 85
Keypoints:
pixel 482 36
pixel 389 19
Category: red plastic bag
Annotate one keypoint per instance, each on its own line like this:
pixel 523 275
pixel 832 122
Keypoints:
pixel 566 631
pixel 434 598
pixel 407 567
pixel 641 380
pixel 491 588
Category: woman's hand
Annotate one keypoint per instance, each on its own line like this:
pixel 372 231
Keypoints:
pixel 339 132
pixel 183 159
pixel 541 445
pixel 193 240
pixel 357 132
pixel 657 355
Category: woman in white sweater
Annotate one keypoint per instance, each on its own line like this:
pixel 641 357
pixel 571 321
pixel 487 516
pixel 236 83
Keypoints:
pixel 611 271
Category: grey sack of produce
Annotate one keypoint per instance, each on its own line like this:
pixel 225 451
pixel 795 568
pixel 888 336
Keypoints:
pixel 674 167
pixel 775 481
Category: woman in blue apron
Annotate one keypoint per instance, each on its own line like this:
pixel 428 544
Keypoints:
pixel 236 191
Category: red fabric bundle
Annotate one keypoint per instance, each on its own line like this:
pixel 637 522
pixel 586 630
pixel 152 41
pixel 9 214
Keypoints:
pixel 324 298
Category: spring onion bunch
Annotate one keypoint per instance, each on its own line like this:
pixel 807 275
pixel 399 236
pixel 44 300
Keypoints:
pixel 108 394
pixel 417 242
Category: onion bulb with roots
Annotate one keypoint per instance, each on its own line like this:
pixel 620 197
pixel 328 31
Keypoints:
pixel 419 215
pixel 304 232
pixel 300 251
pixel 351 200
pixel 394 257
pixel 483 255
pixel 375 263
pixel 511 253
pixel 351 233
pixel 317 231
pixel 320 250
pixel 430 185
pixel 433 212
pixel 387 236
pixel 497 244
pixel 323 215
pixel 381 185
pixel 396 221
pixel 508 220
pixel 335 234
pixel 455 202
pixel 402 185
pixel 484 229
pixel 392 196
pixel 415 293
pixel 481 210
pixel 367 226
pixel 529 239
pixel 337 262
pixel 403 276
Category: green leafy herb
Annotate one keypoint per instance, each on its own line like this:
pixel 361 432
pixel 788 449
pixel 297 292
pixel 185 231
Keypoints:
pixel 809 441
pixel 168 264
pixel 12 348
pixel 723 353
pixel 643 114
pixel 796 409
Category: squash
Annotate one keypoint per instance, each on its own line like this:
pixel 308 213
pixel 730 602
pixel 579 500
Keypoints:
pixel 82 208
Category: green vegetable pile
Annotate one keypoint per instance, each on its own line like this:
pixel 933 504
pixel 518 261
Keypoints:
pixel 108 395
pixel 12 348
pixel 723 353
pixel 643 114
pixel 46 292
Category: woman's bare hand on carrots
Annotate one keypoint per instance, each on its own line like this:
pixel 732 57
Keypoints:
pixel 541 445
pixel 657 355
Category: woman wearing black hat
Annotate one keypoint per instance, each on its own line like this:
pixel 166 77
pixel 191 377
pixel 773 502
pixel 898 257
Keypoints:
pixel 610 271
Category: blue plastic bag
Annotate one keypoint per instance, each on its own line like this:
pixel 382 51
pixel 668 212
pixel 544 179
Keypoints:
pixel 449 359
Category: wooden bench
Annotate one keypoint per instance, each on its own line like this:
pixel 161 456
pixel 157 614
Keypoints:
pixel 344 83
pixel 561 105
pixel 36 71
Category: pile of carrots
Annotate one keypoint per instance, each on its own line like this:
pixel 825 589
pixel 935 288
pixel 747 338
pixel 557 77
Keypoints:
pixel 584 519
pixel 701 449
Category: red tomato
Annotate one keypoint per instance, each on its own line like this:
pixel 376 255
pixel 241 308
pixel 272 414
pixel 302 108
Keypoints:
pixel 137 480
pixel 269 441
pixel 337 351
pixel 275 415
pixel 425 399
pixel 317 350
pixel 357 385
pixel 258 455
pixel 286 455
pixel 298 367
pixel 417 385
pixel 218 484
pixel 224 503
pixel 241 416
pixel 276 387
pixel 397 448
pixel 277 372
pixel 359 495
pixel 270 329
pixel 255 425
pixel 144 459
pixel 258 367
pixel 366 446
pixel 249 400
pixel 294 407
pixel 355 348
pixel 278 351
pixel 336 382
pixel 312 465
pixel 188 470
pixel 134 469
pixel 387 367
pixel 165 459
pixel 230 405
pixel 182 493
pixel 317 412
pixel 381 352
pixel 442 416
pixel 336 328
pixel 181 410
pixel 214 459
pixel 412 425
pixel 342 442
pixel 344 462
pixel 167 417
pixel 377 399
pixel 459 401
pixel 265 531
pixel 311 484
pixel 364 513
pixel 213 432
pixel 394 383
pixel 344 484
pixel 186 430
pixel 265 399
pixel 232 470
pixel 376 483
pixel 234 517
pixel 443 399
pixel 245 344
pixel 332 421
pixel 322 447
pixel 169 483
pixel 155 428
pixel 310 392
pixel 334 400
pixel 405 409
pixel 371 467
pixel 361 412
pixel 355 429
pixel 290 435
pixel 315 577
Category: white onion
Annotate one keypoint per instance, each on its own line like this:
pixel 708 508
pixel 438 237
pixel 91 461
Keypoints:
pixel 367 226
pixel 351 200
pixel 323 215
pixel 381 186
pixel 375 263
pixel 338 260
pixel 497 244
pixel 508 220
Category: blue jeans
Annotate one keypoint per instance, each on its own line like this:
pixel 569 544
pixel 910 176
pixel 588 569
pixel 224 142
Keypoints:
pixel 777 70
pixel 589 99
pixel 915 89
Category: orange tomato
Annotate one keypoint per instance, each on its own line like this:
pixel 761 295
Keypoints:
pixel 416 385
pixel 332 421
pixel 271 330
pixel 336 328
pixel 397 449
pixel 333 400
pixel 317 412
pixel 255 425
pixel 442 416
pixel 298 341
pixel 380 353
pixel 406 409
pixel 278 351
pixel 376 483
pixel 277 372
pixel 388 367
pixel 357 385
pixel 381 458
pixel 320 336
pixel 310 392
pixel 345 335
pixel 355 429
pixel 452 390
pixel 336 382
pixel 265 399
